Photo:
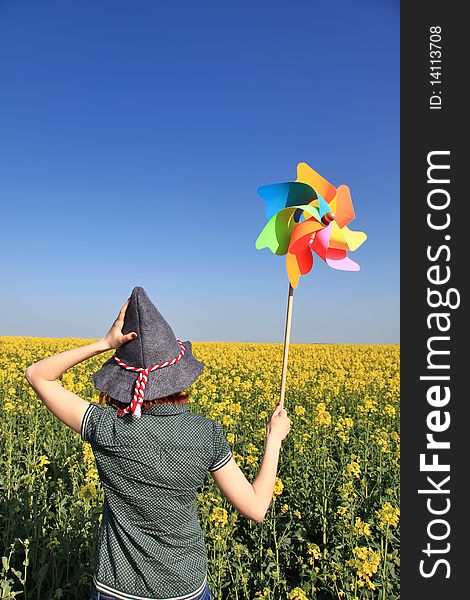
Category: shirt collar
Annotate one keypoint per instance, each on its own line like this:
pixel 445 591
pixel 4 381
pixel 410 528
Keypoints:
pixel 169 408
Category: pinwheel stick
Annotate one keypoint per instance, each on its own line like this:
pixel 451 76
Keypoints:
pixel 290 302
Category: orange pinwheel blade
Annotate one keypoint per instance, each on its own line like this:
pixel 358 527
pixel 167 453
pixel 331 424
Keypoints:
pixel 342 206
pixel 298 264
pixel 306 174
pixel 301 230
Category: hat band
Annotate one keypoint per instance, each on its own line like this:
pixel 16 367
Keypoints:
pixel 139 389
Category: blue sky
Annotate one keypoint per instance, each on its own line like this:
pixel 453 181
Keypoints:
pixel 134 136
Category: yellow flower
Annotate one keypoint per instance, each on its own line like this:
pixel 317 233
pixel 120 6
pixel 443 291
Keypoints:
pixel 235 408
pixel 322 416
pixel 219 516
pixel 230 438
pixel 368 406
pixel 342 428
pixel 366 563
pixel 361 528
pixel 298 514
pixel 382 439
pixel 314 552
pixel 278 488
pixel 227 420
pixel 251 448
pixel 388 515
pixel 41 464
pixel 299 410
pixel 353 469
pixel 297 594
pixel 239 458
pixel 284 508
pixel 88 492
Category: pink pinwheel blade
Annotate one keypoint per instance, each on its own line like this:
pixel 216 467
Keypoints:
pixel 320 242
pixel 338 259
pixel 335 258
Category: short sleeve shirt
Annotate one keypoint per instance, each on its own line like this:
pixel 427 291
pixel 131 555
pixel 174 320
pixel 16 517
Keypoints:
pixel 150 544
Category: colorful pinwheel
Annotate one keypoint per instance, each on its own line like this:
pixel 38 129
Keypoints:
pixel 309 215
pixel 305 216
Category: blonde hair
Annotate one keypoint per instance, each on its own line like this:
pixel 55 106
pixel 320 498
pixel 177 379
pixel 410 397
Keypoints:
pixel 177 398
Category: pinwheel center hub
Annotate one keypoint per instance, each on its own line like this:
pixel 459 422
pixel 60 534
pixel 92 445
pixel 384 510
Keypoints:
pixel 328 217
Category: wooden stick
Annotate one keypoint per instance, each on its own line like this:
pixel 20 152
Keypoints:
pixel 290 302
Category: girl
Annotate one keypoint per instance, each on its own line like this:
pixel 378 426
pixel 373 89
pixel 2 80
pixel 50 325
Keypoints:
pixel 152 453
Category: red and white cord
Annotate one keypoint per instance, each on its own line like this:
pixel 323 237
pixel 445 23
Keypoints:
pixel 136 404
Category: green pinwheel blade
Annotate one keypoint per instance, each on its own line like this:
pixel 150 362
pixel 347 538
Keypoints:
pixel 277 232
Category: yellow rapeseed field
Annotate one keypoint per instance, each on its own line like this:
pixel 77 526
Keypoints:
pixel 332 530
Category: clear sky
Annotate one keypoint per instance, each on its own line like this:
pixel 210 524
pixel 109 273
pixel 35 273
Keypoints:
pixel 133 138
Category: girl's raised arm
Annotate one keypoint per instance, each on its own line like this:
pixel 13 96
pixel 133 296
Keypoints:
pixel 42 375
pixel 253 499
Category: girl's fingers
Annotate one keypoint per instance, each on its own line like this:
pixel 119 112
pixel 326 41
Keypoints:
pixel 122 312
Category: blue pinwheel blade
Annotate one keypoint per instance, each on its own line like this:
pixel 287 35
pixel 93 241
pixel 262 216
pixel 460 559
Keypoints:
pixel 323 206
pixel 281 195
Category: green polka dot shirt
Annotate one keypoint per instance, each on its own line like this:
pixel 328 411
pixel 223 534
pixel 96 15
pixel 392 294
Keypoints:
pixel 150 544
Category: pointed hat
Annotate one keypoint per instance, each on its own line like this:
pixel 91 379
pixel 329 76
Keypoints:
pixel 156 359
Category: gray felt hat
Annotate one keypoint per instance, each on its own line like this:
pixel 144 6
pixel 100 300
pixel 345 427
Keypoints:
pixel 155 344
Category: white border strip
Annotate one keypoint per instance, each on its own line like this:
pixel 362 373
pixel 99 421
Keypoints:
pixel 223 461
pixel 121 596
pixel 86 416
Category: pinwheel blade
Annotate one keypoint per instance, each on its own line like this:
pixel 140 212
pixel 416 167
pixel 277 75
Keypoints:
pixel 277 232
pixel 320 242
pixel 297 265
pixel 342 206
pixel 334 257
pixel 302 234
pixel 306 174
pixel 323 207
pixel 346 239
pixel 281 195
pixel 338 259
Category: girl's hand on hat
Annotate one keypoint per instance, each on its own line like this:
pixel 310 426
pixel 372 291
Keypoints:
pixel 115 338
pixel 279 424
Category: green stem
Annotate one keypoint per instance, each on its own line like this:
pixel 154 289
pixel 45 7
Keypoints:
pixel 384 568
pixel 273 523
pixel 324 501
